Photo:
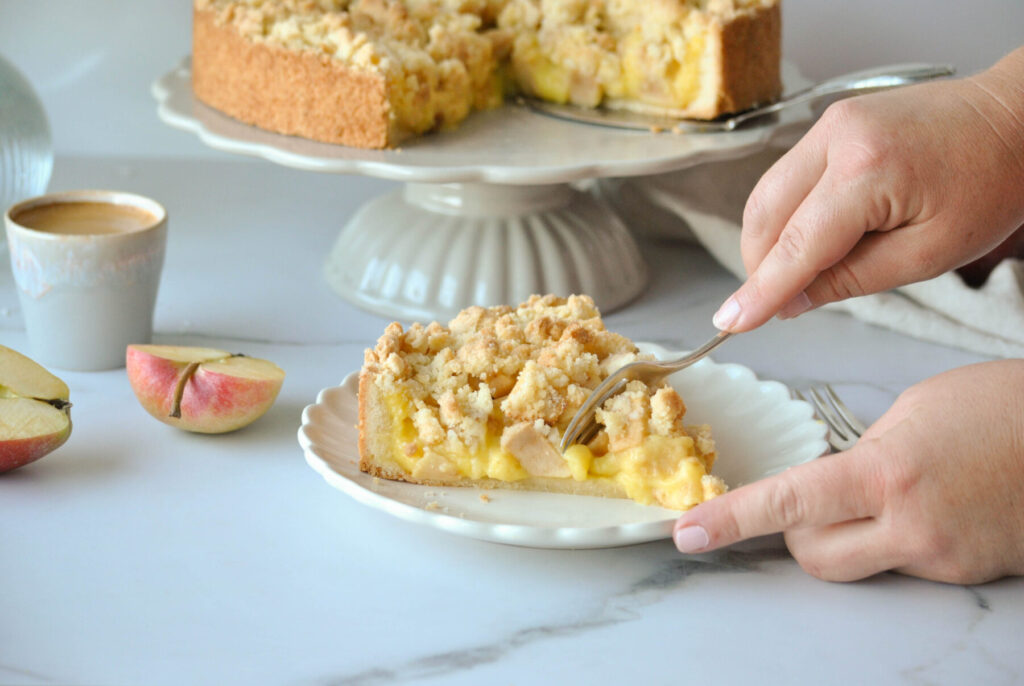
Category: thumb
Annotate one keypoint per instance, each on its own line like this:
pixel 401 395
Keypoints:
pixel 830 489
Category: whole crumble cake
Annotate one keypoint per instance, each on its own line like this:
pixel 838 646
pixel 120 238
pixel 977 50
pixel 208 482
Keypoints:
pixel 370 73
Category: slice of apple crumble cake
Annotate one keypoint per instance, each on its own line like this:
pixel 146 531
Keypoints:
pixel 484 400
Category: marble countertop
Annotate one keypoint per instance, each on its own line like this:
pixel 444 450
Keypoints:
pixel 139 554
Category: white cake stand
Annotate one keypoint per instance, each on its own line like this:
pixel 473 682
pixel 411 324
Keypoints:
pixel 490 212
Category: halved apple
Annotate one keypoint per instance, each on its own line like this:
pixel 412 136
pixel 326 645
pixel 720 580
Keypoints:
pixel 35 414
pixel 202 389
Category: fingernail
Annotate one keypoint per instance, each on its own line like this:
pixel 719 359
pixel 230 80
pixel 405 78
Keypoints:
pixel 691 539
pixel 796 306
pixel 728 314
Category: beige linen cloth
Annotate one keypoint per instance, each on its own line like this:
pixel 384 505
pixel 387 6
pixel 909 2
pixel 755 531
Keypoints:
pixel 989 320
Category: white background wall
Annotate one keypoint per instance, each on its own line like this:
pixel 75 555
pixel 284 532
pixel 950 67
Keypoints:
pixel 92 61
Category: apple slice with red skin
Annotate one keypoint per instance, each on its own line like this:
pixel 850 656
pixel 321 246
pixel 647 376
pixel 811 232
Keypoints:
pixel 204 390
pixel 35 414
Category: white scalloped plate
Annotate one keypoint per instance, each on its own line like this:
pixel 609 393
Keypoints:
pixel 758 428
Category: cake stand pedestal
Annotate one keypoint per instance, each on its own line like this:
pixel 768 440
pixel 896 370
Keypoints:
pixel 435 248
pixel 489 213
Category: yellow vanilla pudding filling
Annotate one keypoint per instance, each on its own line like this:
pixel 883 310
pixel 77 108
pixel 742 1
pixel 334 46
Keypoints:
pixel 484 401
pixel 677 57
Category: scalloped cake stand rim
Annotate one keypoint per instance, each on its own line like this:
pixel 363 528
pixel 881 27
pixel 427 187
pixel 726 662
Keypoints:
pixel 511 145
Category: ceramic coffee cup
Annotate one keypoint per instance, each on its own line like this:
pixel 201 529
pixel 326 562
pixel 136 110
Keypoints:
pixel 87 267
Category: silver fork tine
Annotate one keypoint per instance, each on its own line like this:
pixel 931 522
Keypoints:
pixel 577 429
pixel 800 396
pixel 588 433
pixel 851 420
pixel 831 417
pixel 844 428
pixel 837 418
pixel 834 438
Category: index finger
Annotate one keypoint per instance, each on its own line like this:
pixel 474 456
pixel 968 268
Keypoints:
pixel 778 193
pixel 824 228
pixel 831 489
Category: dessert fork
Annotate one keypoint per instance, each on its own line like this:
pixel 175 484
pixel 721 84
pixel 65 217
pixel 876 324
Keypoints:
pixel 843 427
pixel 584 426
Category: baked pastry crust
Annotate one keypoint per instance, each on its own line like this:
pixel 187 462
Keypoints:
pixel 483 402
pixel 749 62
pixel 425 64
pixel 292 92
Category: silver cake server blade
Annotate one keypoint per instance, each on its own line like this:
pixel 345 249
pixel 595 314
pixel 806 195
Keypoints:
pixel 878 78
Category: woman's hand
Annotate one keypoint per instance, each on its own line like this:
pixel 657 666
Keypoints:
pixel 935 489
pixel 886 189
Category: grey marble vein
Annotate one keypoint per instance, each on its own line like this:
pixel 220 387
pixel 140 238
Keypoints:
pixel 10 671
pixel 622 607
pixel 979 599
pixel 995 671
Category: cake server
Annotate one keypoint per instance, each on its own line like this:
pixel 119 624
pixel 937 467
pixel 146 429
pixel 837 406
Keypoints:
pixel 878 78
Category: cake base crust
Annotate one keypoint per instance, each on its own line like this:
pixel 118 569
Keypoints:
pixel 750 59
pixel 294 93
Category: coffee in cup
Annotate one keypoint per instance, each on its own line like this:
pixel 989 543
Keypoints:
pixel 85 218
pixel 87 267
